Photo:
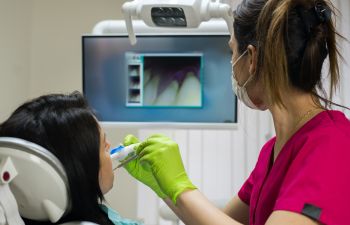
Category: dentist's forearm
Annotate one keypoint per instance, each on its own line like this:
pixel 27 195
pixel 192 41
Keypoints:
pixel 175 209
pixel 197 210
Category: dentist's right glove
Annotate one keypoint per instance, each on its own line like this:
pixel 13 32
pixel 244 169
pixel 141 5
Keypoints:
pixel 163 156
pixel 142 174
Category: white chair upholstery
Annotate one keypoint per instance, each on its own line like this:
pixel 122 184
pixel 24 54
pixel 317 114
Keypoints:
pixel 36 179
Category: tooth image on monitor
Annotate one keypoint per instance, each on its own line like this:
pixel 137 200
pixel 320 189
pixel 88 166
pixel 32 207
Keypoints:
pixel 168 96
pixel 171 80
pixel 150 90
pixel 146 76
pixel 190 92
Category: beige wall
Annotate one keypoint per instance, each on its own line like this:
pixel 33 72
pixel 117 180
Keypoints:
pixel 14 54
pixel 57 27
pixel 40 53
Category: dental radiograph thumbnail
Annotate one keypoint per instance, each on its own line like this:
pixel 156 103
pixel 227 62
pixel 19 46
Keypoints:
pixel 164 80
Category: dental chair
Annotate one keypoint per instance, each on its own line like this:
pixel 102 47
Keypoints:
pixel 33 184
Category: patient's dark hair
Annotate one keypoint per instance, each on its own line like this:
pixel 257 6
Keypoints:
pixel 67 127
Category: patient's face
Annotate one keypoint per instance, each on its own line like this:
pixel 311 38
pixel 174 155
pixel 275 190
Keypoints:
pixel 106 173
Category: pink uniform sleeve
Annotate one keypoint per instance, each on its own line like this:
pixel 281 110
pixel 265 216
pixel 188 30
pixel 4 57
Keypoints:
pixel 246 190
pixel 261 165
pixel 317 184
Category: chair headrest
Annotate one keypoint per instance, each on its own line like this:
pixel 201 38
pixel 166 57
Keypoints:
pixel 41 186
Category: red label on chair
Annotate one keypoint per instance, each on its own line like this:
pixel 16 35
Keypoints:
pixel 6 176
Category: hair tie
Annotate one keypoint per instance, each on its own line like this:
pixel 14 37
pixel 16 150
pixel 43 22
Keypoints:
pixel 323 12
pixel 314 16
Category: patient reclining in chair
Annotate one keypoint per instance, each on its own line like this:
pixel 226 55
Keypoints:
pixel 67 127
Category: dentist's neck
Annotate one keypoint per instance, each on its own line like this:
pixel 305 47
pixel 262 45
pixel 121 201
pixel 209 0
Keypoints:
pixel 300 108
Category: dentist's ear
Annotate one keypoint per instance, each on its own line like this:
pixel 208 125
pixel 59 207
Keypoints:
pixel 252 54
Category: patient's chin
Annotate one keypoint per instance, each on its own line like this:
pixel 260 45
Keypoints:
pixel 106 185
pixel 105 190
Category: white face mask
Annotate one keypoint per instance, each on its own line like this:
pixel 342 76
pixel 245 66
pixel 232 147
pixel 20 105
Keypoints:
pixel 241 91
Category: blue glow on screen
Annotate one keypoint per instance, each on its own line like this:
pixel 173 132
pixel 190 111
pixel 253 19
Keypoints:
pixel 105 80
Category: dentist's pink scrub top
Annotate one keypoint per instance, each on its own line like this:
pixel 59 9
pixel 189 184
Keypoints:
pixel 310 176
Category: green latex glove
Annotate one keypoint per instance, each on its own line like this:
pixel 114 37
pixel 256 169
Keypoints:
pixel 163 156
pixel 142 174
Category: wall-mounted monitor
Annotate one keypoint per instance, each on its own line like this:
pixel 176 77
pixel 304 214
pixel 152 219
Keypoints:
pixel 162 79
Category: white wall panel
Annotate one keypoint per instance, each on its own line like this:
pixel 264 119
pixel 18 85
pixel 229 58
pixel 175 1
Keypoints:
pixel 239 154
pixel 180 137
pixel 210 164
pixel 224 173
pixel 251 130
pixel 195 146
pixel 344 29
pixel 216 164
pixel 147 205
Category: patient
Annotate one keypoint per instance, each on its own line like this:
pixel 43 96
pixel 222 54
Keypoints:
pixel 67 127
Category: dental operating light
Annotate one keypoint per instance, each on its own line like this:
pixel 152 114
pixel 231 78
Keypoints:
pixel 175 13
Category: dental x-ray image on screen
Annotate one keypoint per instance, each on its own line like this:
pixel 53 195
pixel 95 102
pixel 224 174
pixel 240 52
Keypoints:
pixel 164 80
pixel 182 79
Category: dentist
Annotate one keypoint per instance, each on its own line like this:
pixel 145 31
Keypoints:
pixel 302 175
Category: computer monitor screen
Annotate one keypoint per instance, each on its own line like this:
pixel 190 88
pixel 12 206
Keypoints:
pixel 177 79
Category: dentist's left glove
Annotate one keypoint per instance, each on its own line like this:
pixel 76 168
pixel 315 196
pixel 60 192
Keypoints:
pixel 139 172
pixel 163 156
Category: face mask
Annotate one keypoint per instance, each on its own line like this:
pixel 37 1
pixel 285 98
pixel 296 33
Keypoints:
pixel 241 91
